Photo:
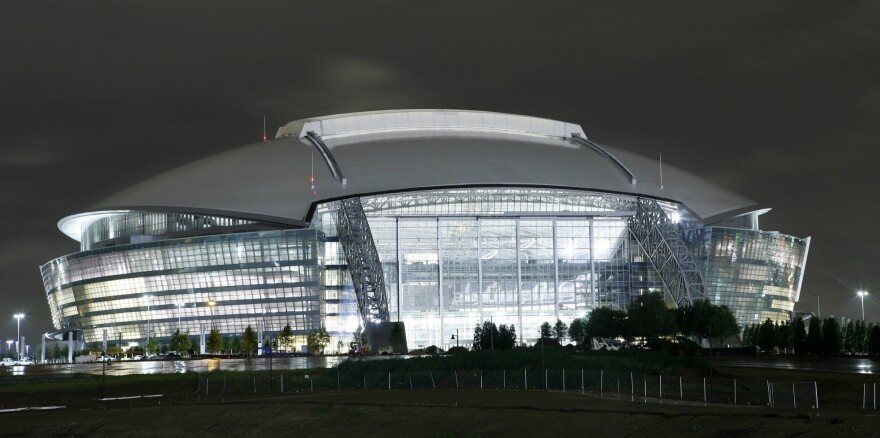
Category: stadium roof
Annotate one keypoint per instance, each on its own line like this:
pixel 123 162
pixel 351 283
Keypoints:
pixel 394 151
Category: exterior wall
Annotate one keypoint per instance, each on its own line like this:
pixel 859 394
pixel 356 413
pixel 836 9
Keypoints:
pixel 453 258
pixel 268 278
pixel 755 273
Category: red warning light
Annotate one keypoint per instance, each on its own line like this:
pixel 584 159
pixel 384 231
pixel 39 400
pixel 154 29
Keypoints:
pixel 315 193
pixel 264 138
pixel 311 179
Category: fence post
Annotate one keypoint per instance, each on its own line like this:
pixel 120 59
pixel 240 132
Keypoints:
pixel 389 380
pixel 582 380
pixel 504 379
pixel 207 385
pixel 661 387
pixel 526 378
pixel 546 385
pixel 563 380
pixel 618 385
pixel 365 382
pixel 255 384
pixel 410 383
pixel 282 383
pixel 875 396
pixel 632 387
pixel 433 385
pixel 338 386
pixel 864 393
pixel 816 393
pixel 680 389
pixel 481 379
pixel 793 396
pixel 645 381
pixel 734 391
pixel 456 379
pixel 601 381
pixel 704 390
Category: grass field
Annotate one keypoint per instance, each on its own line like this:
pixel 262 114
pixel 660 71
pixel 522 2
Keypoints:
pixel 185 408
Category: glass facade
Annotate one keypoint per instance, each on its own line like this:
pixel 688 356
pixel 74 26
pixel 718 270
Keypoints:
pixel 451 258
pixel 755 273
pixel 229 281
pixel 516 256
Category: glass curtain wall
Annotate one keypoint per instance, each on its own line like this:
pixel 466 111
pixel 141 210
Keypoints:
pixel 263 279
pixel 755 273
pixel 454 258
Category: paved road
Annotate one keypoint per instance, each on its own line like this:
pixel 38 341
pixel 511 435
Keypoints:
pixel 180 366
pixel 836 364
pixel 855 365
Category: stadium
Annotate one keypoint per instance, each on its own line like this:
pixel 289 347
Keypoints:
pixel 440 219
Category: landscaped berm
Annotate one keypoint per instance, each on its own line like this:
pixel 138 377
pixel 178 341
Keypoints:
pixel 446 396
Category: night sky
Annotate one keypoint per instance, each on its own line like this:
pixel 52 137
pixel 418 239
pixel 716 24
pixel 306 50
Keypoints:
pixel 779 102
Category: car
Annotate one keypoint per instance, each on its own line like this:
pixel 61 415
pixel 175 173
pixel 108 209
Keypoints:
pixel 24 361
pixel 7 362
pixel 137 357
pixel 106 359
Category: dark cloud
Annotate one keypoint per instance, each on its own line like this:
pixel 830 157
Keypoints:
pixel 778 101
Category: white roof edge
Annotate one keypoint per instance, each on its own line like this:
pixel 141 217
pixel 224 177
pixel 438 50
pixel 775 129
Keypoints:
pixel 427 120
pixel 73 225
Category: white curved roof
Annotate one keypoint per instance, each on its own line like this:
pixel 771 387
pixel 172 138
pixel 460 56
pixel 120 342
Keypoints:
pixel 389 151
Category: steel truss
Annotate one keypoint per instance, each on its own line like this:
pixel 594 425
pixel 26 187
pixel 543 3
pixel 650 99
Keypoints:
pixel 661 242
pixel 363 261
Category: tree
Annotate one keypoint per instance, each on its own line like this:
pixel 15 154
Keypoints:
pixel 560 331
pixel 799 336
pixel 849 337
pixel 874 340
pixel 783 334
pixel 152 346
pixel 702 318
pixel 234 344
pixel 397 338
pixel 861 337
pixel 832 340
pixel 285 338
pixel 486 336
pixel 180 342
pixel 648 317
pixel 317 340
pixel 814 336
pixel 605 322
pixel 248 341
pixel 215 341
pixel 577 330
pixel 767 336
pixel 359 336
pixel 545 331
pixel 506 337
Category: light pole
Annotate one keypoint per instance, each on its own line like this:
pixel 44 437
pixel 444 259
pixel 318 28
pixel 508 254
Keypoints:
pixel 861 295
pixel 455 337
pixel 149 317
pixel 19 317
pixel 818 306
pixel 179 305
pixel 211 304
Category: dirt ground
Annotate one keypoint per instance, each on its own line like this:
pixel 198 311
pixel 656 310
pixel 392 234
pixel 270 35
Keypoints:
pixel 429 413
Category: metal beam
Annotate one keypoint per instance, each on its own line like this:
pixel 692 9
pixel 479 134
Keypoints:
pixel 662 244
pixel 363 261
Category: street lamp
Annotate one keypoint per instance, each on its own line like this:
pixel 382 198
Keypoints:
pixel 861 295
pixel 19 317
pixel 455 337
